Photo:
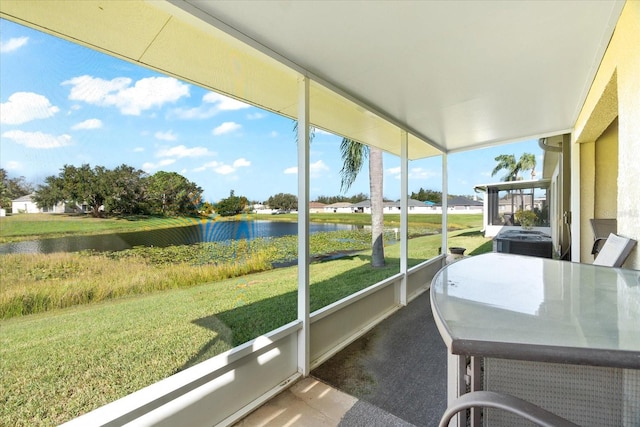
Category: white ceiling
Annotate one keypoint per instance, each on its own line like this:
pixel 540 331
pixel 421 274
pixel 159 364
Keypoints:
pixel 455 75
pixel 459 73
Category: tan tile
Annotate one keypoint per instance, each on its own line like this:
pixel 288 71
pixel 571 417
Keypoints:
pixel 308 403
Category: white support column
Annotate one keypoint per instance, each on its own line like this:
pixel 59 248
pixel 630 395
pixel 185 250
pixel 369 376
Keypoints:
pixel 445 206
pixel 404 214
pixel 303 224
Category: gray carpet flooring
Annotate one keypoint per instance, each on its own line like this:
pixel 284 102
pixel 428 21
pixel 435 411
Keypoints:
pixel 399 367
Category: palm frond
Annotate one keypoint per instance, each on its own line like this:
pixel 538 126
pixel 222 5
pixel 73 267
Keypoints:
pixel 312 131
pixel 353 155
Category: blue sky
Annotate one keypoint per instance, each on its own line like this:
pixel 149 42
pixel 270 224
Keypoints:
pixel 65 104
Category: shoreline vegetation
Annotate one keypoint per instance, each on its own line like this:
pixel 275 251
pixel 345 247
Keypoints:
pixel 62 362
pixel 34 283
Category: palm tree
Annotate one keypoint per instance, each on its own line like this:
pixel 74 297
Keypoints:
pixel 353 156
pixel 527 161
pixel 508 162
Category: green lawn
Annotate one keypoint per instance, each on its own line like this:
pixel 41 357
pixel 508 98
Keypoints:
pixel 35 226
pixel 58 365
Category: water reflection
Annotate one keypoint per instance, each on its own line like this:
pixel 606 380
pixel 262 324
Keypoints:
pixel 210 231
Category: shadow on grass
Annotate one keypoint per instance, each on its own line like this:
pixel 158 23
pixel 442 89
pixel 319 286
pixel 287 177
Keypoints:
pixel 476 233
pixel 484 248
pixel 247 321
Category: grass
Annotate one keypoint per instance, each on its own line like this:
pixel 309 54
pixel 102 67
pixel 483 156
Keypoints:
pixel 59 364
pixel 34 283
pixel 20 227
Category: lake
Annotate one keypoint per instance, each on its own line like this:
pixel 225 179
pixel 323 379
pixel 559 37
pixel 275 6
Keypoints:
pixel 210 231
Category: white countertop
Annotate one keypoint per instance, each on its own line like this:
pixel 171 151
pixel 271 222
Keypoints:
pixel 527 308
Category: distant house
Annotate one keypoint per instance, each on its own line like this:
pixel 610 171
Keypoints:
pixel 415 207
pixel 25 204
pixel 461 204
pixel 316 207
pixel 340 207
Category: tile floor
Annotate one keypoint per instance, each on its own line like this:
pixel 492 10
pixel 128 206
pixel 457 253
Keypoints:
pixel 308 403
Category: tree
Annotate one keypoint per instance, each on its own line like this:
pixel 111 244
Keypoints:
pixel 356 198
pixel 76 185
pixel 232 205
pixel 170 193
pixel 207 208
pixel 283 201
pixel 128 191
pixel 527 161
pixel 353 156
pixel 427 195
pixel 508 162
pixel 12 188
pixel 49 193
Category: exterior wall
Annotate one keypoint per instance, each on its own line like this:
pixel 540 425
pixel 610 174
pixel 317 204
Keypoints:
pixel 615 92
pixel 31 207
pixel 24 207
pixel 587 198
pixel 606 169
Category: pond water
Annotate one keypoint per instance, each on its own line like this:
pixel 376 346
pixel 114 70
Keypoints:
pixel 210 231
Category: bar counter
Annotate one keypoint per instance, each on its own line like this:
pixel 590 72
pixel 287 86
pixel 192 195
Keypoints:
pixel 507 319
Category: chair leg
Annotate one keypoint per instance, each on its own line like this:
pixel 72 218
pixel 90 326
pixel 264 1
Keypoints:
pixel 515 405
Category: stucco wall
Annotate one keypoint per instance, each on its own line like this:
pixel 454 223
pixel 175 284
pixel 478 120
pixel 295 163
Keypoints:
pixel 616 92
pixel 606 173
pixel 587 198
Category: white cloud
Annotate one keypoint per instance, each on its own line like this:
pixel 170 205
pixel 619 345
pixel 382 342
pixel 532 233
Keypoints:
pixel 13 165
pixel 166 136
pixel 273 134
pixel 181 151
pixel 413 173
pixel 209 165
pixel 22 107
pixel 147 93
pixel 13 44
pixel 223 168
pixel 394 171
pixel 212 104
pixel 195 113
pixel 292 170
pixel 421 173
pixel 256 116
pixel 88 124
pixel 38 139
pixel 241 162
pixel 226 127
pixel 224 103
pixel 138 149
pixel 148 166
pixel 316 167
